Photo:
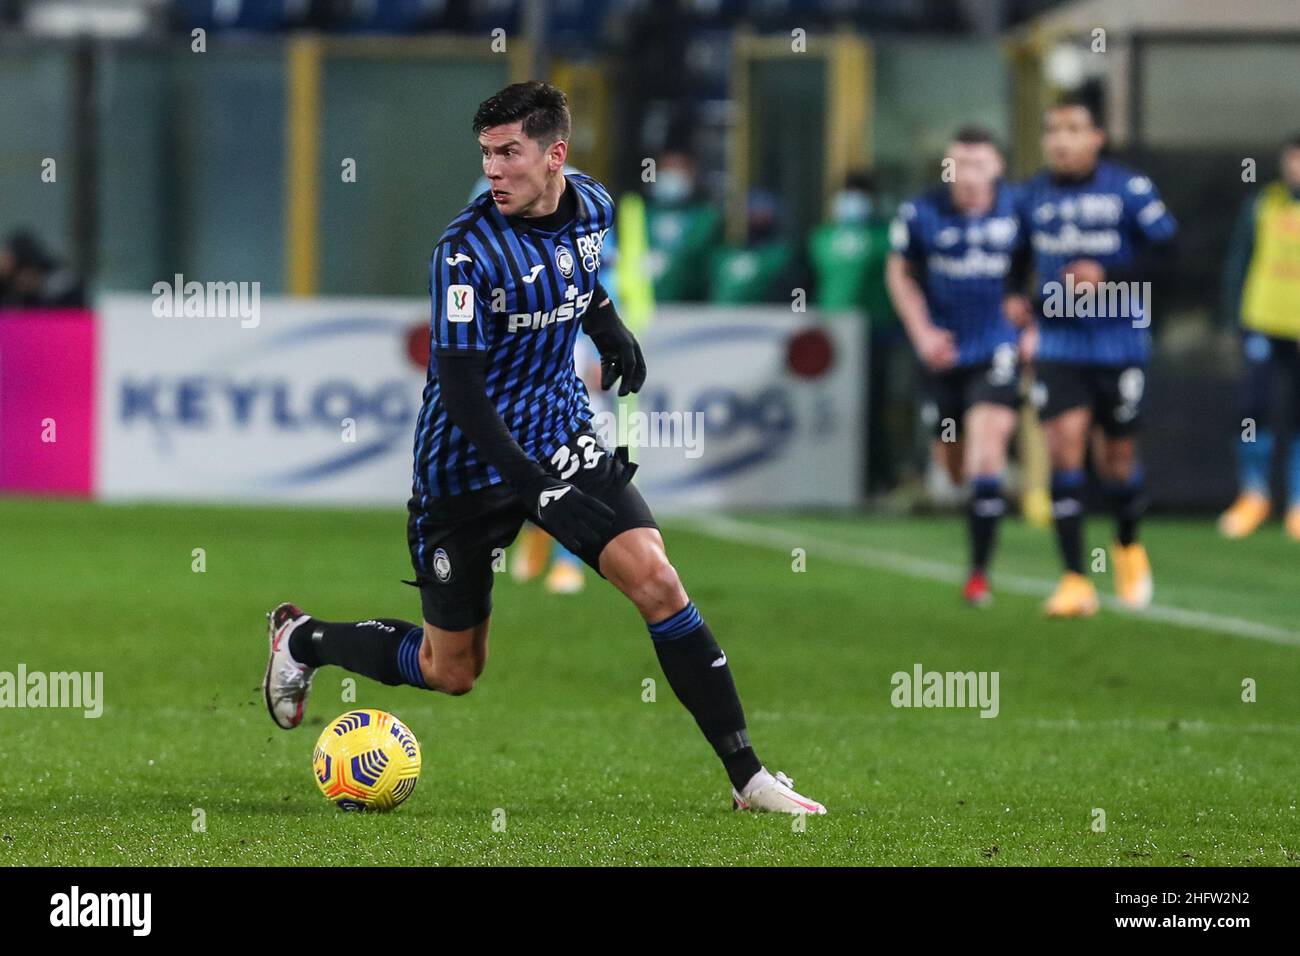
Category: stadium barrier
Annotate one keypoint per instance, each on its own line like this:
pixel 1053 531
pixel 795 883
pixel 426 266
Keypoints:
pixel 47 414
pixel 315 401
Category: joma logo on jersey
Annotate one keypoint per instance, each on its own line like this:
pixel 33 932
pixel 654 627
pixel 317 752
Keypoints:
pixel 561 313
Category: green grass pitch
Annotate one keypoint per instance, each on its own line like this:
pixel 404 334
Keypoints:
pixel 1140 718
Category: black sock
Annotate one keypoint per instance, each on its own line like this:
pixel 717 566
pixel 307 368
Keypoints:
pixel 698 673
pixel 1129 501
pixel 1067 515
pixel 983 511
pixel 386 649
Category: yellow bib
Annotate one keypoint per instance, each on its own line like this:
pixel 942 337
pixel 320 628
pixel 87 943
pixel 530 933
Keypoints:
pixel 1270 301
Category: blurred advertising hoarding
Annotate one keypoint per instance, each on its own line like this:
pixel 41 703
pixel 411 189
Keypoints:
pixel 47 412
pixel 316 402
pixel 778 397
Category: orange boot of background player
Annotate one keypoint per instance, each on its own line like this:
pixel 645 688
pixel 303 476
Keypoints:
pixel 1075 596
pixel 1133 585
pixel 1246 514
pixel 531 553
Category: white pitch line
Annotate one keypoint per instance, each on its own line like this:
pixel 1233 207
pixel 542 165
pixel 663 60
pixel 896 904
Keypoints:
pixel 925 569
pixel 1152 724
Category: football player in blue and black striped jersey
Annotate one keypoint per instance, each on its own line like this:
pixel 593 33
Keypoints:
pixel 1091 229
pixel 947 275
pixel 504 435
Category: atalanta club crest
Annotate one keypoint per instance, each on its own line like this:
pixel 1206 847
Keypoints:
pixel 564 259
pixel 441 565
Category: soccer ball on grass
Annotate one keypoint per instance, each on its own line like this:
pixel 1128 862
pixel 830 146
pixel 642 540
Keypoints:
pixel 366 760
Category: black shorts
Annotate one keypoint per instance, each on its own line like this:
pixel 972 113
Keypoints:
pixel 458 543
pixel 1113 393
pixel 949 394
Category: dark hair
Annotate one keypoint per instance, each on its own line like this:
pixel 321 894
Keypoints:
pixel 543 109
pixel 860 180
pixel 972 135
pixel 1292 141
pixel 1083 101
pixel 28 251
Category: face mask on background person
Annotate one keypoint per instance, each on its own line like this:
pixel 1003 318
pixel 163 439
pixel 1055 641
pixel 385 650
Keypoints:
pixel 671 187
pixel 850 207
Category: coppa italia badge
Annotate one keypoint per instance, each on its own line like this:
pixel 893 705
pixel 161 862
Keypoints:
pixel 460 303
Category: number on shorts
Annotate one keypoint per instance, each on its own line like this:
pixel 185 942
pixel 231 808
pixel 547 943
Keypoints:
pixel 1003 367
pixel 567 463
pixel 1132 383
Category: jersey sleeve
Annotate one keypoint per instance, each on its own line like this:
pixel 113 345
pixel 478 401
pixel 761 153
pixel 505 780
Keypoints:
pixel 460 299
pixel 603 214
pixel 903 234
pixel 1151 220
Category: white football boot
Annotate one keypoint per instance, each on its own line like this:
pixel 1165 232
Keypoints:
pixel 287 682
pixel 773 794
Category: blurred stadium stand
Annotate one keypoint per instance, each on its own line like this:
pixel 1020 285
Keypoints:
pixel 210 165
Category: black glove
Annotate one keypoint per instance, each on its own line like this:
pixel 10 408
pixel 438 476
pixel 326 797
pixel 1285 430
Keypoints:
pixel 620 355
pixel 578 521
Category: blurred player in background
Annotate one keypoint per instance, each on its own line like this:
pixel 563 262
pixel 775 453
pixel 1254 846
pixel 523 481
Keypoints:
pixel 683 229
pixel 31 277
pixel 847 253
pixel 1087 221
pixel 1262 292
pixel 947 279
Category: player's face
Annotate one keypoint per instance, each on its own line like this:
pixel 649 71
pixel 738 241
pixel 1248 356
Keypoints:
pixel 1291 166
pixel 1071 141
pixel 976 167
pixel 517 166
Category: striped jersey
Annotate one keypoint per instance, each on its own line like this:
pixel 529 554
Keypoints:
pixel 1106 216
pixel 516 292
pixel 963 263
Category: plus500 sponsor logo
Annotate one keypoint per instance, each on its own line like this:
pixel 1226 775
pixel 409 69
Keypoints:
pixel 561 313
pixel 202 401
